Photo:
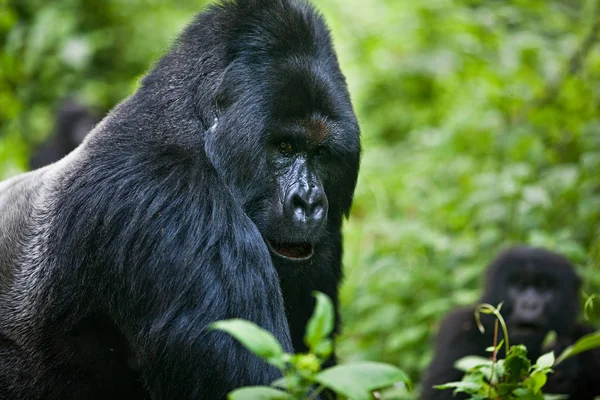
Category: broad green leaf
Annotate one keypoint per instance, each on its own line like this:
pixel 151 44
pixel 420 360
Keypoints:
pixel 259 393
pixel 468 362
pixel 536 381
pixel 254 338
pixel 321 322
pixel 358 380
pixel 587 342
pixel 545 361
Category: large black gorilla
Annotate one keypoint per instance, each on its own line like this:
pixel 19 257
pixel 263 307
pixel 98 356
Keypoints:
pixel 218 190
pixel 73 122
pixel 539 289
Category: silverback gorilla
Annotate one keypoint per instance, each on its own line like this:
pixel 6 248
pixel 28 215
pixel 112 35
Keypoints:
pixel 216 191
pixel 539 289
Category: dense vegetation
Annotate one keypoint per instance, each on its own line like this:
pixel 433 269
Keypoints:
pixel 481 128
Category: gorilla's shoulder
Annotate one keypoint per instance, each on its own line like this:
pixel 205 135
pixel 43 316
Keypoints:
pixel 24 200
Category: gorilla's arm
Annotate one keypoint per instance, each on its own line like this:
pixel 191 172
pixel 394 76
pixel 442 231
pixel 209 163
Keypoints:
pixel 458 336
pixel 162 252
pixel 197 259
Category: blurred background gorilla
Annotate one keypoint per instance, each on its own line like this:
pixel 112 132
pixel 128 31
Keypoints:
pixel 73 122
pixel 216 191
pixel 539 289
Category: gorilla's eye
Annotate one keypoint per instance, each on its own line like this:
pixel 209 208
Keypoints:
pixel 285 147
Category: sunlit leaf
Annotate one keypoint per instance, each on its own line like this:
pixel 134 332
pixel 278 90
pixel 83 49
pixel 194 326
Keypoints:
pixel 254 338
pixel 259 393
pixel 321 322
pixel 358 380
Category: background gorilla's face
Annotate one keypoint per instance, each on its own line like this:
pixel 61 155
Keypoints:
pixel 539 291
pixel 533 296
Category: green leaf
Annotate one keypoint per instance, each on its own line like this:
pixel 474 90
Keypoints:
pixel 587 342
pixel 516 364
pixel 281 383
pixel 545 361
pixel 462 385
pixel 469 362
pixel 324 348
pixel 358 380
pixel 536 381
pixel 321 322
pixel 259 393
pixel 549 340
pixel 254 338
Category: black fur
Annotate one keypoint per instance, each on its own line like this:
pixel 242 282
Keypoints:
pixel 73 122
pixel 521 267
pixel 114 260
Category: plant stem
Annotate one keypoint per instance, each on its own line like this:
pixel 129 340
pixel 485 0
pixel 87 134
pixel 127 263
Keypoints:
pixel 317 391
pixel 494 357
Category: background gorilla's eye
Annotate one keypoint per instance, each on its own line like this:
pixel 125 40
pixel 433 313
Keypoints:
pixel 285 147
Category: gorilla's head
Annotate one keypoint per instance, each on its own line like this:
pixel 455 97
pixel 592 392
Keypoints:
pixel 284 137
pixel 539 290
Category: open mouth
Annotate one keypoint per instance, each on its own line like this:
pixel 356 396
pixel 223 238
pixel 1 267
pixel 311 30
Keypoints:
pixel 292 251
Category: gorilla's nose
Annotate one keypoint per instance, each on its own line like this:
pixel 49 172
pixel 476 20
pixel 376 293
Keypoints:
pixel 306 205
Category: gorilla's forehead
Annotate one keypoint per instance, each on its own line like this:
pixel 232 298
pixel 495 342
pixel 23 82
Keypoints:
pixel 532 264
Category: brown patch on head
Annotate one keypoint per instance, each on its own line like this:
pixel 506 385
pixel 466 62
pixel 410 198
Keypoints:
pixel 317 130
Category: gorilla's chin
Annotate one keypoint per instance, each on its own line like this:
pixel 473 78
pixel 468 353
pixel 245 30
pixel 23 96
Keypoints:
pixel 292 251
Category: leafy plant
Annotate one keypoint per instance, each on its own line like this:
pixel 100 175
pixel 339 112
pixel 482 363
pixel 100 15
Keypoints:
pixel 303 376
pixel 514 377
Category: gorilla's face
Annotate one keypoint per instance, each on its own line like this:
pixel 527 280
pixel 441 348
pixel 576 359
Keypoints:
pixel 302 161
pixel 533 296
pixel 539 291
pixel 295 154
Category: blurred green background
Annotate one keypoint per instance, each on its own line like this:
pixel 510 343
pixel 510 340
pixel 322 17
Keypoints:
pixel 480 121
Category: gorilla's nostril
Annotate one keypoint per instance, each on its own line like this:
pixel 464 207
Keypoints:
pixel 306 206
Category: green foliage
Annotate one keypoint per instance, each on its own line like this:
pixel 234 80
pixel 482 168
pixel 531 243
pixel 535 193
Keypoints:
pixel 508 379
pixel 358 380
pixel 513 377
pixel 302 372
pixel 481 130
pixel 480 126
pixel 320 326
pixel 95 50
